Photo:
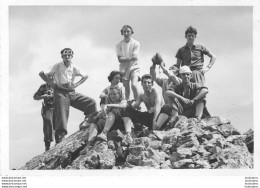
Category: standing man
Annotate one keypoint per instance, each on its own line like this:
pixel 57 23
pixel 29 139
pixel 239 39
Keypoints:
pixel 45 92
pixel 127 53
pixel 64 74
pixel 192 55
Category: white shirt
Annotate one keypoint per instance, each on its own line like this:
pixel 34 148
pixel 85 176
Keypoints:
pixel 64 75
pixel 128 49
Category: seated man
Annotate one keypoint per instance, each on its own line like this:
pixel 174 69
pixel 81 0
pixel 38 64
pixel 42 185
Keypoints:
pixel 189 99
pixel 152 100
pixel 110 118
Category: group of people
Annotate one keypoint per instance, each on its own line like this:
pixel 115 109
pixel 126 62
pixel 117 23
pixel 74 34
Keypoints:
pixel 183 91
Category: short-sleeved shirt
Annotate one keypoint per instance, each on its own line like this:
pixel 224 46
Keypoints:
pixel 194 88
pixel 64 75
pixel 128 49
pixel 45 89
pixel 193 57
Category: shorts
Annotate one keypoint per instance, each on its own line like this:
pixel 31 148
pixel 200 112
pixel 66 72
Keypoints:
pixel 197 77
pixel 144 118
pixel 129 71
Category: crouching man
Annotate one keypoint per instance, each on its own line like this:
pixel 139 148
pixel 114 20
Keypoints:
pixel 188 99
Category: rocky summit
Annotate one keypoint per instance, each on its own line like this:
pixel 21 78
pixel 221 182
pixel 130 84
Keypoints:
pixel 212 143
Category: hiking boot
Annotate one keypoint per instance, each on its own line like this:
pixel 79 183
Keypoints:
pixel 47 148
pixel 102 136
pixel 59 138
pixel 129 139
pixel 84 125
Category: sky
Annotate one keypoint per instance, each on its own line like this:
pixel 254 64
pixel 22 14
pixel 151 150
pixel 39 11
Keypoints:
pixel 37 34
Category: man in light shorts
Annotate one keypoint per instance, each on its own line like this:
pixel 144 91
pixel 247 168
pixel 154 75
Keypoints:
pixel 127 52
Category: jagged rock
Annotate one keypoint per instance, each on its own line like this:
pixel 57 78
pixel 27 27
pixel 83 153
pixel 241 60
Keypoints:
pixel 227 130
pixel 184 163
pixel 249 140
pixel 217 140
pixel 59 156
pixel 166 147
pixel 181 124
pixel 156 144
pixel 186 144
pixel 235 157
pixel 166 165
pixel 202 164
pixel 135 160
pixel 236 140
pixel 214 121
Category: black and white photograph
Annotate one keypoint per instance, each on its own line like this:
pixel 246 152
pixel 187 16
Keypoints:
pixel 127 88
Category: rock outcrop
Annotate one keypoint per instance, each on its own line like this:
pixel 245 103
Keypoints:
pixel 211 143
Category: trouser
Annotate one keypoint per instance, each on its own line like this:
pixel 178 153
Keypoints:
pixel 188 112
pixel 48 122
pixel 144 118
pixel 63 100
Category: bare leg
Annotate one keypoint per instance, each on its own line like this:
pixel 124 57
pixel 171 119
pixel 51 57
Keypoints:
pixel 128 129
pixel 128 124
pixel 199 110
pixel 127 89
pixel 162 118
pixel 109 123
pixel 134 86
pixel 92 133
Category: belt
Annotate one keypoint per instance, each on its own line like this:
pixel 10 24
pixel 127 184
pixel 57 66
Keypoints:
pixel 192 68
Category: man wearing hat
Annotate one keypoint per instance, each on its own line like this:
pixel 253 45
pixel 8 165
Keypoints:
pixel 64 74
pixel 188 99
